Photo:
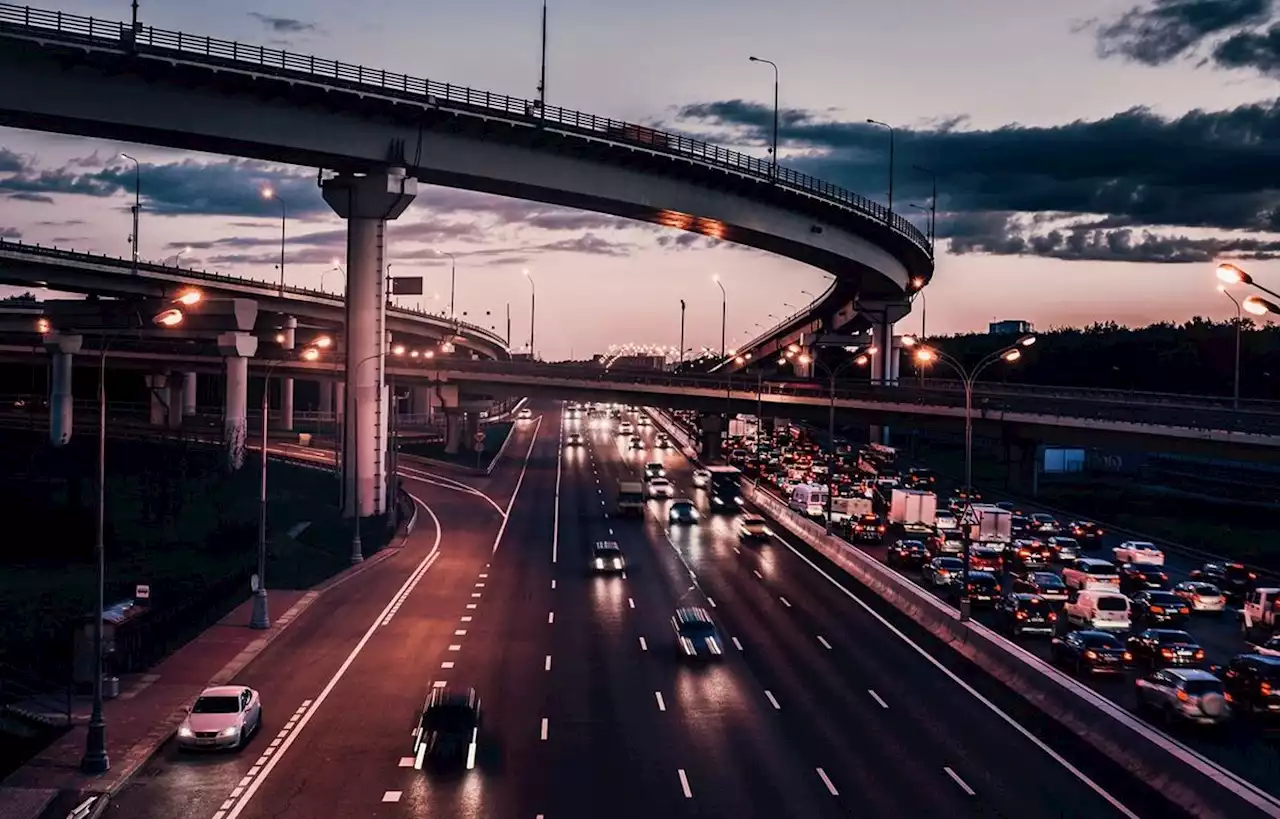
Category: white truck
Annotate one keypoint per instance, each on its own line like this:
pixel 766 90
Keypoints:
pixel 850 508
pixel 911 507
pixel 989 523
pixel 809 499
pixel 1260 613
pixel 630 498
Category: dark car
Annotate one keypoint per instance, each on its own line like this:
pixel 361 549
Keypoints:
pixel 1134 578
pixel 1021 613
pixel 986 559
pixel 1165 648
pixel 1092 651
pixel 606 556
pixel 1159 608
pixel 1252 682
pixel 1019 524
pixel 1064 549
pixel 448 728
pixel 1009 506
pixel 1235 579
pixel 918 478
pixel 1029 553
pixel 867 529
pixel 1045 584
pixel 910 554
pixel 941 571
pixel 1044 523
pixel 984 588
pixel 696 634
pixel 1088 533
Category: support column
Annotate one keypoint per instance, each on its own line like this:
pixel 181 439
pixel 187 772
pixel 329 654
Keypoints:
pixel 450 404
pixel 189 394
pixel 422 405
pixel 286 382
pixel 158 390
pixel 61 349
pixel 174 400
pixel 883 316
pixel 366 202
pixel 326 399
pixel 236 349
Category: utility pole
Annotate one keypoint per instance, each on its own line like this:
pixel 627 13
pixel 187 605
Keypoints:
pixel 542 76
pixel 682 306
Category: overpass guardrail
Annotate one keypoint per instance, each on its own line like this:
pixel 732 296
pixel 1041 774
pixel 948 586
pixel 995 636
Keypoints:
pixel 76 29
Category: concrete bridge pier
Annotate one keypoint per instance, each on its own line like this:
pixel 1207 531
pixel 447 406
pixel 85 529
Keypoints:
pixel 884 364
pixel 62 349
pixel 1022 468
pixel 188 394
pixel 710 427
pixel 237 348
pixel 173 401
pixel 287 336
pixel 158 393
pixel 325 405
pixel 366 202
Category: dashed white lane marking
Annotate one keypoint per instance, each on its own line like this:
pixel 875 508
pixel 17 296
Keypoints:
pixel 631 603
pixel 878 698
pixel 736 550
pixel 476 594
pixel 610 531
pixel 459 632
pixel 406 762
pixel 785 602
pixel 553 584
pixel 712 601
pixel 227 804
pixel 737 644
pixel 235 794
pixel 455 647
pixel 544 727
pixel 662 706
pixel 275 742
pixel 772 699
pixel 756 572
pixel 391 796
pixel 547 665
pixel 643 645
pixel 964 786
pixel 684 784
pixel 466 618
pixel 447 664
pixel 483 575
pixel 407 590
pixel 471 606
pixel 219 814
pixel 439 684
pixel 551 617
pixel 254 770
pixel 245 781
pixel 826 781
pixel 479 585
pixel 624 575
pixel 824 642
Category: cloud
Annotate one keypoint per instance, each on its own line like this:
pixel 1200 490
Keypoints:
pixel 1164 30
pixel 1132 171
pixel 284 25
pixel 11 161
pixel 10 233
pixel 24 196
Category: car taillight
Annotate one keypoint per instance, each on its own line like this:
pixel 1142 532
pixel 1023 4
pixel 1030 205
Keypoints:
pixel 1199 654
pixel 1021 615
pixel 1128 656
pixel 1265 689
pixel 1053 615
pixel 1184 610
pixel 1166 652
pixel 1183 696
pixel 1157 609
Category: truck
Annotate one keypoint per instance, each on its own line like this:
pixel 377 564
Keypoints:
pixel 988 523
pixel 809 499
pixel 850 508
pixel 912 507
pixel 1260 613
pixel 630 499
pixel 725 489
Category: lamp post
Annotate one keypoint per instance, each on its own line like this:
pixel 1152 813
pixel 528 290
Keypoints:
pixel 1235 388
pixel 137 204
pixel 338 267
pixel 860 359
pixel 925 355
pixel 268 193
pixel 682 306
pixel 889 215
pixel 357 548
pixel 724 311
pixel 95 759
pixel 933 204
pixel 1230 274
pixel 774 150
pixel 175 257
pixel 533 308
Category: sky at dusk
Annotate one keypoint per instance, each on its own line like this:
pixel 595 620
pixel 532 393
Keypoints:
pixel 1094 157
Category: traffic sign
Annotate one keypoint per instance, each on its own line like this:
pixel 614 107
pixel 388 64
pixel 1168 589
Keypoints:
pixel 142 592
pixel 479 446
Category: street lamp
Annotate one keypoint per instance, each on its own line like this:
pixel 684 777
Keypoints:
pixel 175 257
pixel 95 759
pixel 933 204
pixel 268 193
pixel 1235 389
pixel 1259 306
pixel 137 206
pixel 774 151
pixel 889 216
pixel 533 308
pixel 724 311
pixel 927 355
pixel 338 267
pixel 259 617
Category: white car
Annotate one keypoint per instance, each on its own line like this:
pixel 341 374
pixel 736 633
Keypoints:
pixel 1201 596
pixel 625 428
pixel 1139 553
pixel 524 414
pixel 701 478
pixel 224 716
pixel 575 439
pixel 661 488
pixel 946 521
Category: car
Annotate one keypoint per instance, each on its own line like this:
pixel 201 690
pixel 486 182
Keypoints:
pixel 1139 552
pixel 1099 611
pixel 1030 553
pixel 606 556
pixel 1091 573
pixel 1020 613
pixel 1094 651
pixel 637 442
pixel 1087 532
pixel 986 558
pixel 942 571
pixel 1043 584
pixel 1165 647
pixel 1155 607
pixel 574 439
pixel 1184 693
pixel 1269 648
pixel 661 488
pixel 1044 523
pixel 1009 506
pixel 1063 548
pixel 946 543
pixel 1235 579
pixel 625 428
pixel 654 470
pixel 223 716
pixel 701 478
pixel 661 441
pixel 983 588
pixel 1134 577
pixel 945 521
pixel 753 527
pixel 696 634
pixel 448 728
pixel 682 511
pixel 524 414
pixel 867 529
pixel 1019 525
pixel 1252 683
pixel 910 554
pixel 643 421
pixel 1201 596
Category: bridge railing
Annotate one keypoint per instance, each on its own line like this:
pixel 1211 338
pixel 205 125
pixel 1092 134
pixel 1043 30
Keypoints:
pixel 333 73
pixel 126 265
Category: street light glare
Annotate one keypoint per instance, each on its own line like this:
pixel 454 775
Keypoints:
pixel 268 193
pixel 43 326
pixel 310 354
pixel 924 355
pixel 397 349
pixel 169 318
pixel 323 342
pixel 1259 306
pixel 1026 341
pixel 861 360
pixel 189 297
pixel 782 360
pixel 909 341
pixel 1230 274
pixel 804 359
pixel 872 350
pixel 1012 355
pixel 917 282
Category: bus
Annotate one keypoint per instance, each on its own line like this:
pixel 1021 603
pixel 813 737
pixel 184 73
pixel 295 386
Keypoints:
pixel 725 489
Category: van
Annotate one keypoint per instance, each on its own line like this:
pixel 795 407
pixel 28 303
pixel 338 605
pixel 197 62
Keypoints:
pixel 1089 573
pixel 1100 611
pixel 809 499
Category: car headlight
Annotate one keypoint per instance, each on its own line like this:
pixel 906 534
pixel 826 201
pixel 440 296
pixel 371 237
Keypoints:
pixel 737 500
pixel 185 731
pixel 229 732
pixel 599 563
pixel 716 501
pixel 617 563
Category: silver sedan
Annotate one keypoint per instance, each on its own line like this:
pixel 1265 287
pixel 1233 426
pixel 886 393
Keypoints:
pixel 224 716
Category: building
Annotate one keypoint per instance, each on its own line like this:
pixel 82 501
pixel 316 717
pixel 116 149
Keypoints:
pixel 1009 327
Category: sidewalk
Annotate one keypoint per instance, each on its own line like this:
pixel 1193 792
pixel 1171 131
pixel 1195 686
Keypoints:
pixel 149 709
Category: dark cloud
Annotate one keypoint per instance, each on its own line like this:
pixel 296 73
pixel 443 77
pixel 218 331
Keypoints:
pixel 1163 30
pixel 687 241
pixel 24 196
pixel 60 222
pixel 10 233
pixel 283 25
pixel 1130 171
pixel 11 162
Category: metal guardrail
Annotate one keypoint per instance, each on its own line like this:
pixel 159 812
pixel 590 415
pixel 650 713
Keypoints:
pixel 126 266
pixel 77 29
pixel 777 329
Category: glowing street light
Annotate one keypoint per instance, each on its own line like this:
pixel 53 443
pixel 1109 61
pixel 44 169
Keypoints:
pixel 1259 306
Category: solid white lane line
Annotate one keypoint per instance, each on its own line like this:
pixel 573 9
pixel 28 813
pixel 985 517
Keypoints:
pixel 391 796
pixel 544 727
pixel 756 572
pixel 826 781
pixel 631 603
pixel 878 698
pixel 662 706
pixel 551 617
pixel 519 482
pixel 712 602
pixel 785 602
pixel 772 700
pixel 824 642
pixel 737 644
pixel 684 784
pixel 964 786
pixel 643 645
pixel 547 665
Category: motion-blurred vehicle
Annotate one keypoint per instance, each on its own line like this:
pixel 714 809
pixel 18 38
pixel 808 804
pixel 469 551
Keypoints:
pixel 223 716
pixel 654 470
pixel 1029 553
pixel 753 527
pixel 1269 648
pixel 1165 647
pixel 682 511
pixel 625 428
pixel 909 554
pixel 983 588
pixel 1020 613
pixel 1235 579
pixel 945 520
pixel 637 442
pixel 867 529
pixel 574 439
pixel 661 441
pixel 942 571
pixel 1139 552
pixel 1091 651
pixel 606 556
pixel 1044 584
pixel 524 414
pixel 1252 682
pixel 701 478
pixel 1091 573
pixel 1099 611
pixel 696 634
pixel 1156 607
pixel 986 558
pixel 448 728
pixel 1087 532
pixel 661 488
pixel 1184 693
pixel 1134 578
pixel 1063 548
pixel 1201 597
pixel 1044 524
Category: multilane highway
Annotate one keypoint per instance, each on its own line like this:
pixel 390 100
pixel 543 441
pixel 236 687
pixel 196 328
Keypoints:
pixel 820 708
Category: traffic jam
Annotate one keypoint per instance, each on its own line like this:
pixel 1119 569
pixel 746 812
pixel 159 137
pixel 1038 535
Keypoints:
pixel 1053 585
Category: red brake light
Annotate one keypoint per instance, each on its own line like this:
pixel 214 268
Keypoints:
pixel 1053 615
pixel 1021 615
pixel 1166 652
pixel 1183 696
pixel 1200 654
pixel 1265 689
pixel 1128 656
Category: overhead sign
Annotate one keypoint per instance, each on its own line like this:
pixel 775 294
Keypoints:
pixel 142 592
pixel 406 285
